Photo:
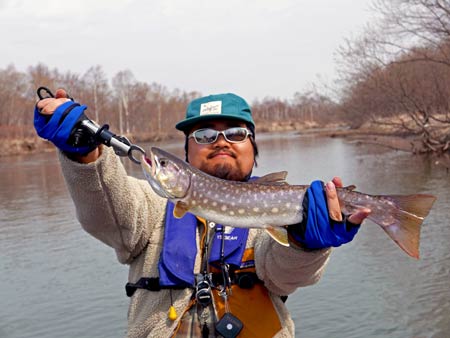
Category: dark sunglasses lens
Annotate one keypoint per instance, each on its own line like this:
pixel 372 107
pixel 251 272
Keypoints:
pixel 236 134
pixel 205 136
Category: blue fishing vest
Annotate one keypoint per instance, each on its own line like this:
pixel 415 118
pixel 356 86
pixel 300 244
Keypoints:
pixel 177 258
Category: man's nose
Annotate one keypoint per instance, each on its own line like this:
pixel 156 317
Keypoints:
pixel 221 140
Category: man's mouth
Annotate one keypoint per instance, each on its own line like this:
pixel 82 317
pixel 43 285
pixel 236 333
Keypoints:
pixel 221 153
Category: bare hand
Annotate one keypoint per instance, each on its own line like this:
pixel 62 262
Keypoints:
pixel 49 105
pixel 334 208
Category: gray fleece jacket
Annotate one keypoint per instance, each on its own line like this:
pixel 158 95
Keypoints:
pixel 124 213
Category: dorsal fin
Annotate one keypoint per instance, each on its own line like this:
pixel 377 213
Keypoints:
pixel 272 178
pixel 350 187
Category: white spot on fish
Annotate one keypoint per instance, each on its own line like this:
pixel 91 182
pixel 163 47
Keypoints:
pixel 297 207
pixel 231 213
pixel 214 204
pixel 255 209
pixel 288 205
pixel 193 202
pixel 223 208
pixel 274 210
pixel 241 211
pixel 205 201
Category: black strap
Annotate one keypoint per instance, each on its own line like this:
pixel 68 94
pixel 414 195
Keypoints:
pixel 150 284
pixel 245 280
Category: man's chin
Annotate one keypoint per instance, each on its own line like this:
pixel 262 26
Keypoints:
pixel 225 171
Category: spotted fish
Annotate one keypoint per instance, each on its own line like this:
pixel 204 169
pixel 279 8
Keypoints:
pixel 270 203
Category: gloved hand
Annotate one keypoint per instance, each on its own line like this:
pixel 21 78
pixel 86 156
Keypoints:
pixel 59 127
pixel 318 230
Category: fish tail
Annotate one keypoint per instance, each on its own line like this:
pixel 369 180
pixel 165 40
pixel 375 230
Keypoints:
pixel 402 220
pixel 418 205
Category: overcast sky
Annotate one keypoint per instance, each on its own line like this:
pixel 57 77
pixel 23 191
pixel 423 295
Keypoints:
pixel 254 48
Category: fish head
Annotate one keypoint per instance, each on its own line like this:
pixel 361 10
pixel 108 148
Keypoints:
pixel 168 175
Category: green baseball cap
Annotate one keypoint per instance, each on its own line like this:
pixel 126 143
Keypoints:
pixel 226 106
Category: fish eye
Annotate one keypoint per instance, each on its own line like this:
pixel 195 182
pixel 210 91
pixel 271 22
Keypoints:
pixel 163 162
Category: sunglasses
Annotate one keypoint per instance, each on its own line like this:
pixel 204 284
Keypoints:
pixel 232 135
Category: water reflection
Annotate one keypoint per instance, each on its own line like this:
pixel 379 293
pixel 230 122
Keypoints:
pixel 58 281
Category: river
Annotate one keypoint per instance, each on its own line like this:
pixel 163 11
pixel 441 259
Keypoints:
pixel 57 281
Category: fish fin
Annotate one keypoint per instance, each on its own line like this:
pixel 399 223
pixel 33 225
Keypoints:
pixel 350 187
pixel 406 216
pixel 405 231
pixel 278 178
pixel 418 205
pixel 180 209
pixel 279 234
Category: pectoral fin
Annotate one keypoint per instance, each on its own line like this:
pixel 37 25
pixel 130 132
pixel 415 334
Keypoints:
pixel 279 235
pixel 180 209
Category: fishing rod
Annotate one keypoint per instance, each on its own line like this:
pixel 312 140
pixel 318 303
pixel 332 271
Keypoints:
pixel 121 144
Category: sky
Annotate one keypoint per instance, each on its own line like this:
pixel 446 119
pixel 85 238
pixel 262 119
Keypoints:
pixel 254 48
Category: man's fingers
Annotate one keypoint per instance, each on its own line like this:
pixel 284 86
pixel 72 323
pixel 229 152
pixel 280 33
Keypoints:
pixel 359 216
pixel 337 182
pixel 61 93
pixel 334 208
pixel 42 103
pixel 49 105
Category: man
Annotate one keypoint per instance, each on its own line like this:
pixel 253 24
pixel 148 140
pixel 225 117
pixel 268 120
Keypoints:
pixel 188 277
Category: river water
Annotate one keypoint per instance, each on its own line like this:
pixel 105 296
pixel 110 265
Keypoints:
pixel 57 281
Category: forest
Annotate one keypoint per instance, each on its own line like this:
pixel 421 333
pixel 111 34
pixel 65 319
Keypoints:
pixel 394 78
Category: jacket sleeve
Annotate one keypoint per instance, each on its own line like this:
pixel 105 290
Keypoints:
pixel 284 269
pixel 117 209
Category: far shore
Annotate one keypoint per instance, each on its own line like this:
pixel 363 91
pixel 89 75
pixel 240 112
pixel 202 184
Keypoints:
pixel 391 139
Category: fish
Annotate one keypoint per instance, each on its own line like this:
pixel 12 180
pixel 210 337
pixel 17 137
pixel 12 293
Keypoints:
pixel 269 202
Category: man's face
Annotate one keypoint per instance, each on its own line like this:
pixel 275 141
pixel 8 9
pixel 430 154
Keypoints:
pixel 231 161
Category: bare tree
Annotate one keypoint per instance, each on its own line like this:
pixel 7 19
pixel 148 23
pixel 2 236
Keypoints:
pixel 96 84
pixel 400 68
pixel 123 84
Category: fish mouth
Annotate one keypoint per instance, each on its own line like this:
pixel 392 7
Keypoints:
pixel 149 167
pixel 146 159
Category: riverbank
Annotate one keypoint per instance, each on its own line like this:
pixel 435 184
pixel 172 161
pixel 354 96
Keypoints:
pixel 27 145
pixel 367 134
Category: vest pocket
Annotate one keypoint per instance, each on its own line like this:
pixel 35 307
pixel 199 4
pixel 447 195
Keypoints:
pixel 254 308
